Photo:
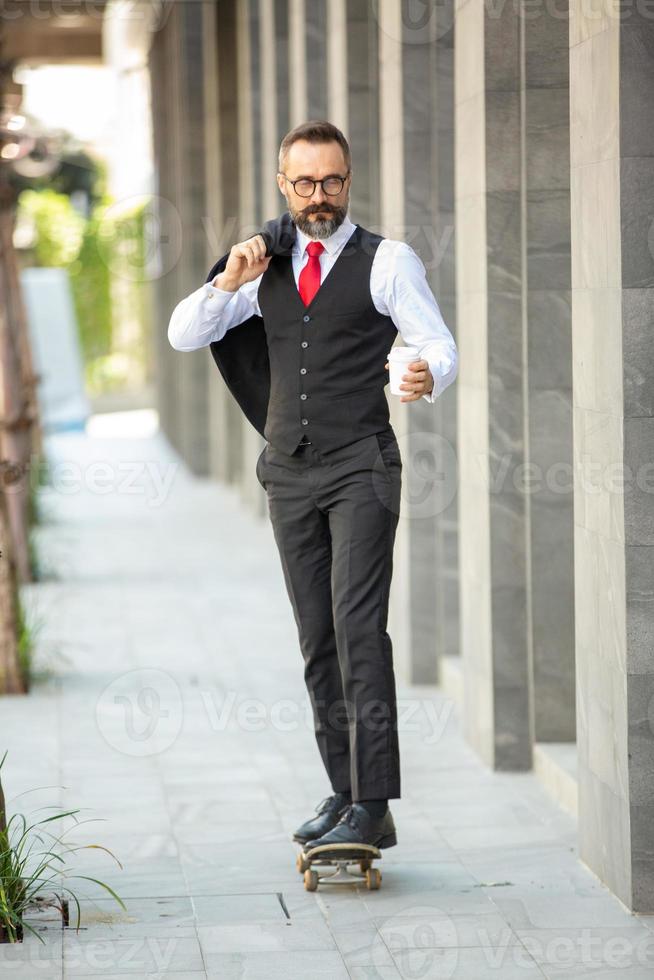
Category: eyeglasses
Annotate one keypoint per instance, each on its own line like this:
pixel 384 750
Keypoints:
pixel 305 186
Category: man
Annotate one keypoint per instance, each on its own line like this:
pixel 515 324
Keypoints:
pixel 332 305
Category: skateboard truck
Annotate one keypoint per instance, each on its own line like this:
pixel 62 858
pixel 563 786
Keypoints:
pixel 340 858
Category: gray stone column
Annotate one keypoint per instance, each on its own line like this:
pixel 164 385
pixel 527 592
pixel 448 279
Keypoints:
pixel 270 196
pixel 612 197
pixel 315 20
pixel 282 55
pixel 242 120
pixel 337 75
pixel 189 148
pixel 443 281
pixel 297 63
pixel 490 384
pixel 548 370
pixel 427 114
pixel 178 110
pixel 513 274
pixel 252 105
pixel 392 225
pixel 363 111
pixel 221 194
pixel 251 97
pixel 164 289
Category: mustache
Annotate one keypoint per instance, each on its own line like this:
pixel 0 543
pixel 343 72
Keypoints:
pixel 326 210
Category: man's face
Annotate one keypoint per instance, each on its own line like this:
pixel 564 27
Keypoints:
pixel 319 215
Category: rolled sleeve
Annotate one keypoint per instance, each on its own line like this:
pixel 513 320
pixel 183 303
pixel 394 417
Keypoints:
pixel 206 314
pixel 410 302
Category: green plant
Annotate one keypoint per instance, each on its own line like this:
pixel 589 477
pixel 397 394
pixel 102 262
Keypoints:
pixel 59 227
pixel 90 281
pixel 37 513
pixel 39 478
pixel 33 555
pixel 33 513
pixel 64 238
pixel 25 871
pixel 33 519
pixel 27 630
pixel 121 238
pixel 106 252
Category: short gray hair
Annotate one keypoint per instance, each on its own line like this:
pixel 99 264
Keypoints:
pixel 314 131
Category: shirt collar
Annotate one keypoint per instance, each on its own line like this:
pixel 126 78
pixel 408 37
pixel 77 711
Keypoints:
pixel 332 244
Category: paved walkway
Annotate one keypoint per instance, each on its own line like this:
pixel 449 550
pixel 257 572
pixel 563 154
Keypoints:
pixel 173 710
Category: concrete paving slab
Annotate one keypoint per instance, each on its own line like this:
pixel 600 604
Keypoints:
pixel 465 963
pixel 136 956
pixel 298 965
pixel 175 710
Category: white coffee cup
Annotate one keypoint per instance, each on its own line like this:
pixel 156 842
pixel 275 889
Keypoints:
pixel 398 359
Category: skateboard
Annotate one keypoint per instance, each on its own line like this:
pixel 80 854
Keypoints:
pixel 340 858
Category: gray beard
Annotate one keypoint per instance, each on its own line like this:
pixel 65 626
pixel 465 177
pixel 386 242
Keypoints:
pixel 319 227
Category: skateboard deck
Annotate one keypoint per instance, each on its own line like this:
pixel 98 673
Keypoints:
pixel 340 861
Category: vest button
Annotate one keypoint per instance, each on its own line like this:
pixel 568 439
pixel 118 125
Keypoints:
pixel 304 421
pixel 306 317
pixel 305 343
pixel 303 397
pixel 303 370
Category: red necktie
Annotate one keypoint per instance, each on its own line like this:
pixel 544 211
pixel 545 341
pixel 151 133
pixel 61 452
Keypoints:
pixel 309 281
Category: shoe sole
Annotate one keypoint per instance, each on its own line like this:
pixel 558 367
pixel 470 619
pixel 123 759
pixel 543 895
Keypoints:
pixel 303 840
pixel 390 840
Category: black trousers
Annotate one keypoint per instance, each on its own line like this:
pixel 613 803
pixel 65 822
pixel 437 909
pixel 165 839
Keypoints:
pixel 334 517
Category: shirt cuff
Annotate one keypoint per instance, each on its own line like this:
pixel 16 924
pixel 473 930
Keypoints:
pixel 436 390
pixel 443 371
pixel 216 298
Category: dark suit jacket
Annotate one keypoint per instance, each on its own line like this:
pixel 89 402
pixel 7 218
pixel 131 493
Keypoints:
pixel 242 354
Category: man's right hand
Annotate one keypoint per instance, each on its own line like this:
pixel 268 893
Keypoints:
pixel 246 261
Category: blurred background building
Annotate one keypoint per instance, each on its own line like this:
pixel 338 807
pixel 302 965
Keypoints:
pixel 512 145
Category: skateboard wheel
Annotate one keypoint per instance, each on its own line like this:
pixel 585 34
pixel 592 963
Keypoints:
pixel 311 880
pixel 301 863
pixel 373 879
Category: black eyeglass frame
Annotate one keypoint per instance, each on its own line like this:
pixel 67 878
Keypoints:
pixel 314 182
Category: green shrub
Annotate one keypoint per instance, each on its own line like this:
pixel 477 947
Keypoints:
pixel 65 239
pixel 105 256
pixel 33 859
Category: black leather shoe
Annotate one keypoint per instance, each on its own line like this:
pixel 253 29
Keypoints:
pixel 328 810
pixel 356 826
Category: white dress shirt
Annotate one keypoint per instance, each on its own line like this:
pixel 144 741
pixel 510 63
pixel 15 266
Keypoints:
pixel 398 287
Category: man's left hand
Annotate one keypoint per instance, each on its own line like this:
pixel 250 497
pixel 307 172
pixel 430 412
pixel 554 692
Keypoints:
pixel 419 382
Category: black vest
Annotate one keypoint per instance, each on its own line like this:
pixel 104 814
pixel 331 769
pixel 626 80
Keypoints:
pixel 327 373
pixel 323 363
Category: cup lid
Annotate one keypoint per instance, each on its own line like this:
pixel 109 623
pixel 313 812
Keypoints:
pixel 404 352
